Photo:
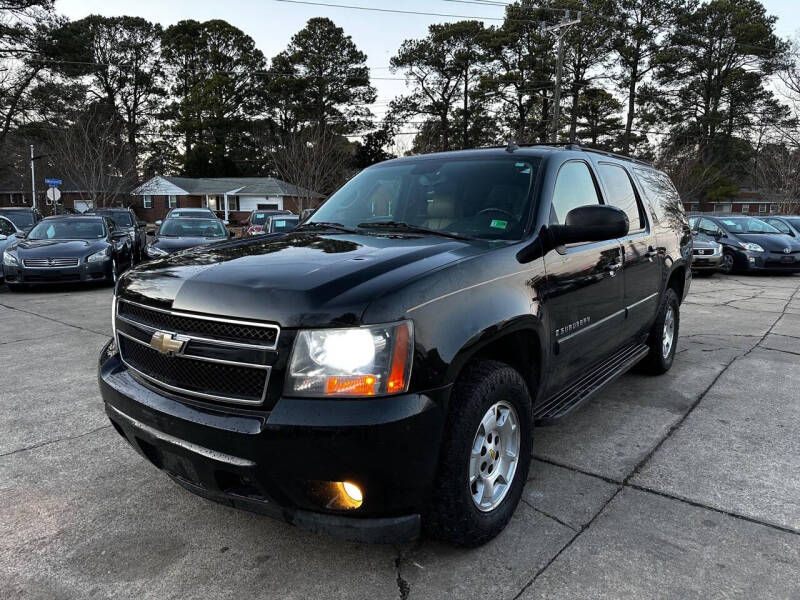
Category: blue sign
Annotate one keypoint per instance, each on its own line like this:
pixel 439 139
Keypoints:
pixel 53 182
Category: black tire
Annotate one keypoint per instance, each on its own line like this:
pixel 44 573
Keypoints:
pixel 656 362
pixel 453 516
pixel 728 263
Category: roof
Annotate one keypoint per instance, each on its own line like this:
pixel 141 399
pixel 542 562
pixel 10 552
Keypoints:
pixel 240 186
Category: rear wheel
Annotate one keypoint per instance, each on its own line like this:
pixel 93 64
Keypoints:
pixel 485 455
pixel 664 335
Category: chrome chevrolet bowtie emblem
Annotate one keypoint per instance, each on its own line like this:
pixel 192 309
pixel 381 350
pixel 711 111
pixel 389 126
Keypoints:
pixel 787 250
pixel 168 343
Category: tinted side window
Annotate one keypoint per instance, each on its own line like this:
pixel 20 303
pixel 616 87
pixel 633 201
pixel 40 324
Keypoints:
pixel 6 228
pixel 621 194
pixel 709 227
pixel 779 225
pixel 574 188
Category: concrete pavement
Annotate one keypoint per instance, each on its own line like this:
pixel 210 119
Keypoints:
pixel 680 486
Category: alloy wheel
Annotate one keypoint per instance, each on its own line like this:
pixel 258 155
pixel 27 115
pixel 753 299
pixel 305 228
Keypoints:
pixel 494 456
pixel 668 336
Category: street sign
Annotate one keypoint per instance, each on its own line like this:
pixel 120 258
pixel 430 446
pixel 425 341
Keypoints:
pixel 53 195
pixel 53 182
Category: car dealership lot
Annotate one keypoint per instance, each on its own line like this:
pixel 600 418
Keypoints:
pixel 685 485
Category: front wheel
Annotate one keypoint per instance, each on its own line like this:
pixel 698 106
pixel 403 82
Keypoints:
pixel 728 262
pixel 485 455
pixel 663 338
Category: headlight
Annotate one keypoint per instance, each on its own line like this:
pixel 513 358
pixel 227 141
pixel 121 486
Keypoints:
pixel 358 361
pixel 98 256
pixel 132 235
pixel 717 249
pixel 154 252
pixel 750 246
pixel 9 259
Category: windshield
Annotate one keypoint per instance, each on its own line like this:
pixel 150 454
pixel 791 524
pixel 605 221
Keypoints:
pixel 19 218
pixel 259 218
pixel 192 228
pixel 748 225
pixel 484 198
pixel 70 229
pixel 123 219
pixel 282 224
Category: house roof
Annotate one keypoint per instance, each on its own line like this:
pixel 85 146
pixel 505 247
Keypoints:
pixel 241 186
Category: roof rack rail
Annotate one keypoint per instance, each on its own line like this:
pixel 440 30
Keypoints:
pixel 576 146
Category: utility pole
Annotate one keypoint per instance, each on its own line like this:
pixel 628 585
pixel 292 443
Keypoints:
pixel 33 180
pixel 562 29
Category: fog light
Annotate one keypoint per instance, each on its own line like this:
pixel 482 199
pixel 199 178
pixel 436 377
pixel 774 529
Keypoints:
pixel 353 492
pixel 752 259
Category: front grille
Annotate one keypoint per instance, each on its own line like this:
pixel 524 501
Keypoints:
pixel 198 377
pixel 198 326
pixel 68 277
pixel 703 252
pixel 50 262
pixel 222 359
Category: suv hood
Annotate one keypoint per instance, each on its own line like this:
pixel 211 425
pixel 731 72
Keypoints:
pixel 298 279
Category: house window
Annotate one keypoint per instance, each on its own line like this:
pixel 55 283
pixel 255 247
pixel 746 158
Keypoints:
pixel 173 201
pixel 211 202
pixel 745 208
pixel 773 208
pixel 233 202
pixel 147 202
pixel 725 207
pixel 762 208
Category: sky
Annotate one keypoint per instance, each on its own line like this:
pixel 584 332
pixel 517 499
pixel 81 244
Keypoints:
pixel 272 23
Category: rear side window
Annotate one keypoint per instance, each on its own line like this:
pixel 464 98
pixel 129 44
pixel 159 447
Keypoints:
pixel 779 225
pixel 574 188
pixel 620 193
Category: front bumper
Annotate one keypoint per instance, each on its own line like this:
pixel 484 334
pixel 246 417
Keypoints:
pixel 84 272
pixel 706 262
pixel 281 462
pixel 771 261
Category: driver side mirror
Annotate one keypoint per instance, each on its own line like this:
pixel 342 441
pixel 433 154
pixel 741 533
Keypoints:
pixel 592 223
pixel 151 232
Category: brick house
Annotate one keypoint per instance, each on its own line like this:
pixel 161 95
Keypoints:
pixel 746 202
pixel 232 198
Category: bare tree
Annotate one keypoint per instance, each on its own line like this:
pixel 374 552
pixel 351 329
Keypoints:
pixel 779 172
pixel 92 153
pixel 315 160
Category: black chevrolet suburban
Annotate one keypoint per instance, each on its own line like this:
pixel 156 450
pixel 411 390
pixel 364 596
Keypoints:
pixel 380 369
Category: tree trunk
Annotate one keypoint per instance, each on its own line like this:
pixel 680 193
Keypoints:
pixel 626 138
pixel 573 116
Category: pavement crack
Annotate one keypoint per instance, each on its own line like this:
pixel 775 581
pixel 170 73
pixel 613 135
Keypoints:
pixel 28 312
pixel 569 543
pixel 61 439
pixel 402 585
pixel 549 516
pixel 721 511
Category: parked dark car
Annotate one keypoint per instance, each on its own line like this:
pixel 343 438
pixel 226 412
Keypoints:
pixel 382 366
pixel 258 218
pixel 706 255
pixel 180 234
pixel 9 234
pixel 23 217
pixel 67 249
pixel 749 243
pixel 790 225
pixel 189 213
pixel 126 220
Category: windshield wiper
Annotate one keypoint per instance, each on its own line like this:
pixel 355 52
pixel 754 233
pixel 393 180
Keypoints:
pixel 325 225
pixel 407 227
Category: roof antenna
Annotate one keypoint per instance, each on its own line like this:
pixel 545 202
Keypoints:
pixel 512 146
